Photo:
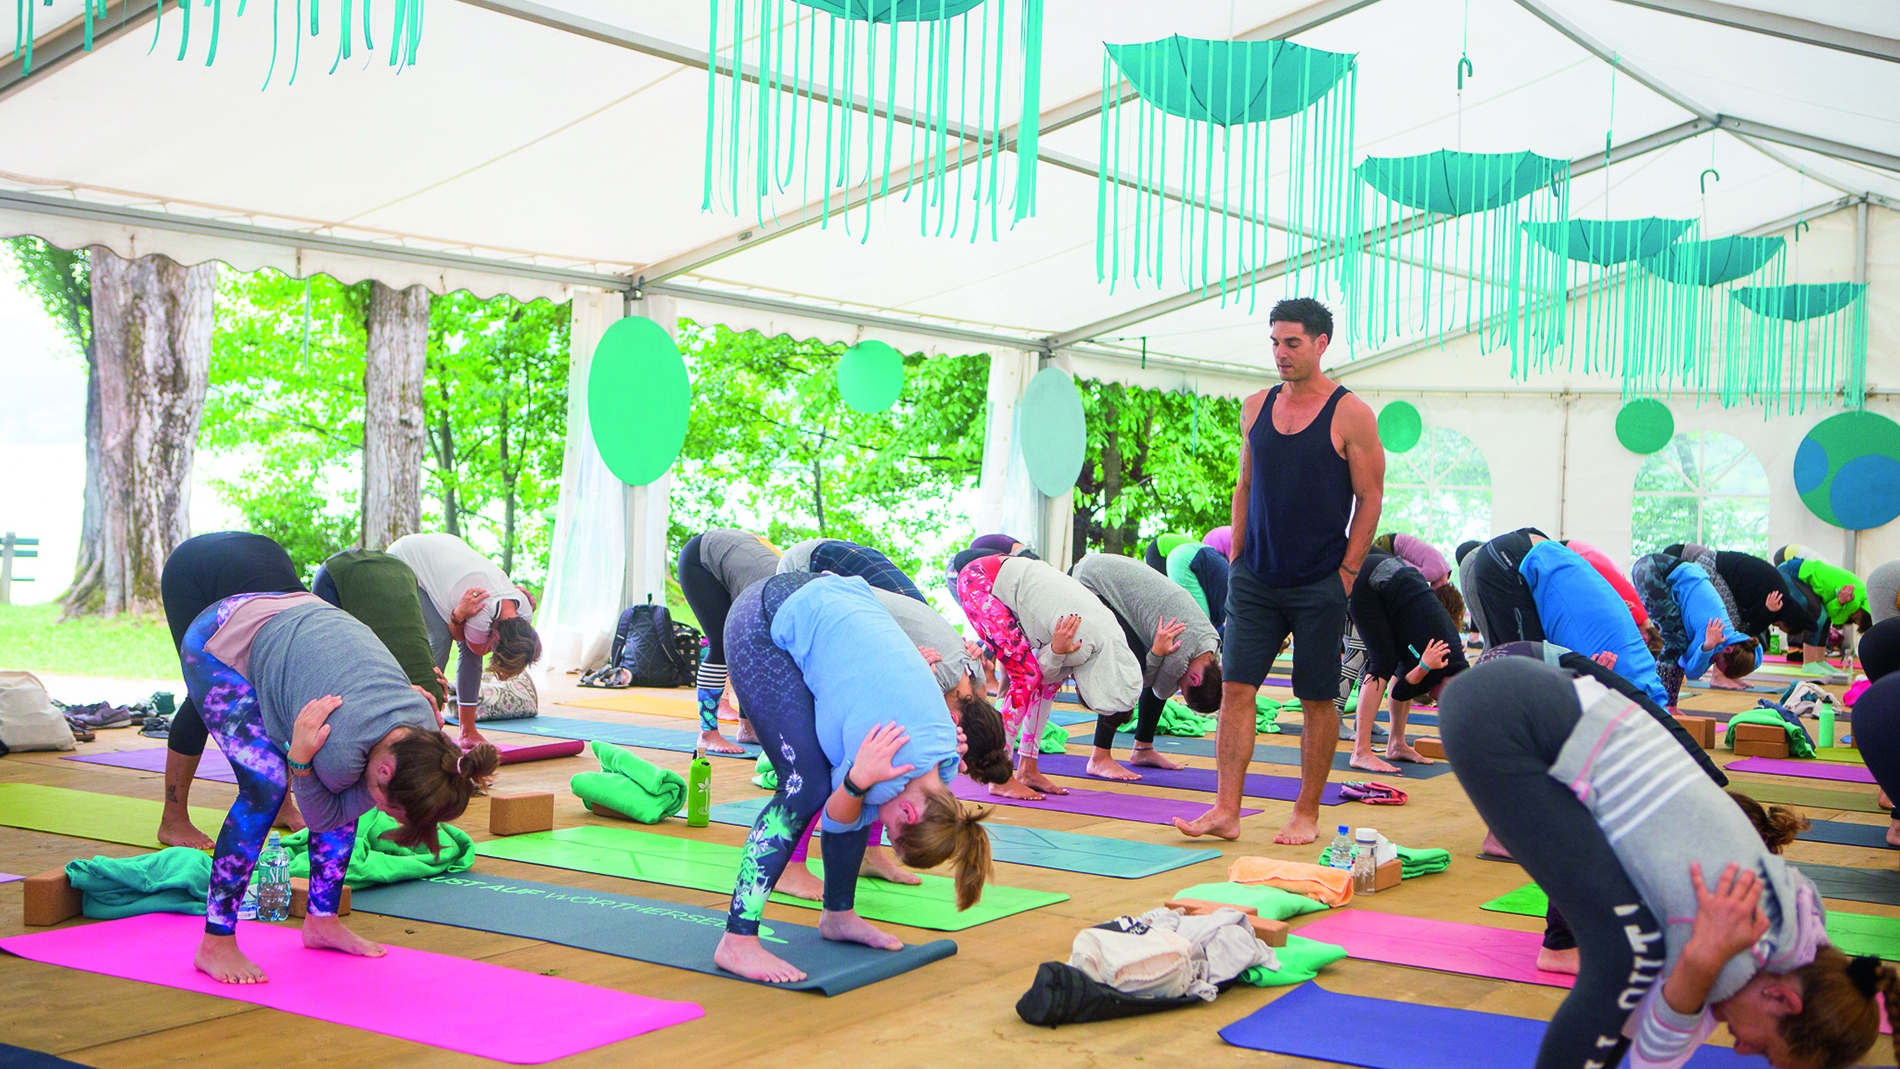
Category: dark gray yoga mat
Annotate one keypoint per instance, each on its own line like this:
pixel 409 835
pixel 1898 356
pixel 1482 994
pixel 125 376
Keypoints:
pixel 1283 755
pixel 1881 886
pixel 562 727
pixel 1843 833
pixel 643 929
pixel 1094 855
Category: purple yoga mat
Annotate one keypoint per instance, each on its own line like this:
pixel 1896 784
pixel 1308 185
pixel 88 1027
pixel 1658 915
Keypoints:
pixel 1278 788
pixel 8 877
pixel 1775 766
pixel 1139 807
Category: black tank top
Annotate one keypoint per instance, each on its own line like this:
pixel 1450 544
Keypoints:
pixel 1301 501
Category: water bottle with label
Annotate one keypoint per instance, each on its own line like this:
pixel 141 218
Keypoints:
pixel 273 881
pixel 699 791
pixel 1339 854
pixel 247 906
pixel 1365 863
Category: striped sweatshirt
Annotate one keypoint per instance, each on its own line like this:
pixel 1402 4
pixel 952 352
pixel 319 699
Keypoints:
pixel 1660 812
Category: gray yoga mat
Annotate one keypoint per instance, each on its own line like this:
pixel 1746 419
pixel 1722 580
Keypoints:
pixel 1881 886
pixel 1843 833
pixel 1094 855
pixel 563 727
pixel 1286 755
pixel 643 929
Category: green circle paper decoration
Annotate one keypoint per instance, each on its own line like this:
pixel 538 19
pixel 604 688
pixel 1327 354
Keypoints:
pixel 1847 470
pixel 871 376
pixel 638 400
pixel 1400 426
pixel 1053 431
pixel 1645 425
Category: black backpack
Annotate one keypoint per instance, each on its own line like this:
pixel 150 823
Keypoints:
pixel 656 650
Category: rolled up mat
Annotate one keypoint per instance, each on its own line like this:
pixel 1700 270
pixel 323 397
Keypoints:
pixel 1881 886
pixel 519 753
pixel 1468 949
pixel 1843 833
pixel 505 1014
pixel 1769 791
pixel 714 867
pixel 1290 755
pixel 561 727
pixel 1804 769
pixel 1143 808
pixel 1067 851
pixel 1279 788
pixel 641 929
pixel 85 815
pixel 1312 1022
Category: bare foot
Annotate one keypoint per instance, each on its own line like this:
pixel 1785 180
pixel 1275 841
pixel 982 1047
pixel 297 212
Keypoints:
pixel 1108 768
pixel 1883 801
pixel 1368 762
pixel 879 863
pixel 1149 757
pixel 714 742
pixel 1301 829
pixel 1493 847
pixel 1722 683
pixel 798 882
pixel 470 737
pixel 746 734
pixel 1218 822
pixel 743 955
pixel 848 927
pixel 1398 751
pixel 328 933
pixel 288 816
pixel 1015 788
pixel 1036 781
pixel 219 958
pixel 177 830
pixel 1563 961
pixel 1893 833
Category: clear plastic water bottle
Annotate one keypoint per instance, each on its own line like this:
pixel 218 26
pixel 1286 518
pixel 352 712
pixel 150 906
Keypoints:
pixel 273 881
pixel 247 906
pixel 1365 862
pixel 1339 854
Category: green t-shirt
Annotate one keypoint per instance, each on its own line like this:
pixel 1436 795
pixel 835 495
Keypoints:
pixel 1826 581
pixel 380 590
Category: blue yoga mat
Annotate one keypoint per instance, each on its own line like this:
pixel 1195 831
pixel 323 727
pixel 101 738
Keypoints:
pixel 1312 1022
pixel 12 1057
pixel 1290 755
pixel 1094 855
pixel 563 727
pixel 1853 885
pixel 643 929
pixel 1843 833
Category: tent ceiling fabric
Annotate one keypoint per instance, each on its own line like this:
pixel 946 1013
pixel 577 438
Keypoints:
pixel 518 156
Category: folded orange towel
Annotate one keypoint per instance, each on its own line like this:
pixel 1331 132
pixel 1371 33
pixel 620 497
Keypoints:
pixel 1330 886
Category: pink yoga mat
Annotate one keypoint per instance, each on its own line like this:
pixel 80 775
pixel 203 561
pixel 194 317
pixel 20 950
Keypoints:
pixel 504 1014
pixel 1809 769
pixel 214 765
pixel 1138 807
pixel 1470 949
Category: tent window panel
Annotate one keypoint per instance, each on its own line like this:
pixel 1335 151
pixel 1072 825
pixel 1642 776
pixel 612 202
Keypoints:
pixel 1706 487
pixel 1439 490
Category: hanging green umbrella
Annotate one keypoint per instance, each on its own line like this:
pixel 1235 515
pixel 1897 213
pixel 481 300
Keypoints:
pixel 1460 183
pixel 1607 326
pixel 1799 340
pixel 1685 348
pixel 1198 130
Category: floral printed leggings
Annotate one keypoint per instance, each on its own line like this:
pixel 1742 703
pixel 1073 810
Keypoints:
pixel 772 691
pixel 229 707
pixel 1030 694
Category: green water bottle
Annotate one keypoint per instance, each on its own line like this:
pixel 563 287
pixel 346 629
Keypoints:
pixel 699 791
pixel 1825 711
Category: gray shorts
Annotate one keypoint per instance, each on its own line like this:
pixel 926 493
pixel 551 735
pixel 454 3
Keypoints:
pixel 1259 619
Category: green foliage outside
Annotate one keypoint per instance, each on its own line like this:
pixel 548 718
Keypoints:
pixel 1157 461
pixel 126 647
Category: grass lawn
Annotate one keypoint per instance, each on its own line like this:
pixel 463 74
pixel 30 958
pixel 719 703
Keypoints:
pixel 31 638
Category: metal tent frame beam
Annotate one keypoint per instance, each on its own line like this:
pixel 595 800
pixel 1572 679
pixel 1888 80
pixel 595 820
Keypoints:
pixel 1786 27
pixel 69 44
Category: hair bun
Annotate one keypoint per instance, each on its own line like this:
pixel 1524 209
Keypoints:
pixel 1864 970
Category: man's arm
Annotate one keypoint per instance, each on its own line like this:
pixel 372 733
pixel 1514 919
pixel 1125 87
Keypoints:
pixel 1243 484
pixel 1365 457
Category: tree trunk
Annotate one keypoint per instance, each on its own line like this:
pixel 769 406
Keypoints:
pixel 508 493
pixel 398 345
pixel 443 444
pixel 1111 478
pixel 87 591
pixel 151 333
pixel 818 490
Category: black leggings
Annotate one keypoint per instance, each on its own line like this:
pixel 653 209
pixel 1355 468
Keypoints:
pixel 201 572
pixel 1506 609
pixel 1503 724
pixel 1147 711
pixel 709 598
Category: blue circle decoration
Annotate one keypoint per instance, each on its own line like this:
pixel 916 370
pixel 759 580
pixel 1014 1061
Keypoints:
pixel 1847 470
pixel 1053 431
pixel 638 400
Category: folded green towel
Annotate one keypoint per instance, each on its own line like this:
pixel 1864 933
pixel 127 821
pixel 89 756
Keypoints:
pixel 171 881
pixel 764 775
pixel 630 784
pixel 1799 745
pixel 1269 902
pixel 1177 719
pixel 1300 961
pixel 1266 711
pixel 1415 862
pixel 375 860
pixel 1055 739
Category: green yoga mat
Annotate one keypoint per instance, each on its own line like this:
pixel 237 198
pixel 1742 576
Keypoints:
pixel 704 866
pixel 1846 755
pixel 85 815
pixel 1854 933
pixel 1812 797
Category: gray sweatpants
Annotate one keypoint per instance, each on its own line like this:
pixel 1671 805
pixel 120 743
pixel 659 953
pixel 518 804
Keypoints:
pixel 468 668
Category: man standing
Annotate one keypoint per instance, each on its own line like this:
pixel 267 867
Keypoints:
pixel 1310 466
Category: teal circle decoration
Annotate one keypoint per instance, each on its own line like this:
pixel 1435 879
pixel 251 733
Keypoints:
pixel 871 376
pixel 1847 470
pixel 1053 432
pixel 638 400
pixel 1400 426
pixel 1645 425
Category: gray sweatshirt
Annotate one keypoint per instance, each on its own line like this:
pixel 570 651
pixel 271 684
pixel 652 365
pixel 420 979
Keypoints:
pixel 1107 676
pixel 312 650
pixel 736 558
pixel 927 628
pixel 1142 597
pixel 797 556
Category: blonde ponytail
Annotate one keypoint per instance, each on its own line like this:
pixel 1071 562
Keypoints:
pixel 949 831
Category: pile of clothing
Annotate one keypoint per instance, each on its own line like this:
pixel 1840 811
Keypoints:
pixel 633 786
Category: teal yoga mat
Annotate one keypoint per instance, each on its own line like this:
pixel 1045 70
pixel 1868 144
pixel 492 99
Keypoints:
pixel 643 929
pixel 1845 833
pixel 1094 855
pixel 1854 885
pixel 650 738
pixel 706 866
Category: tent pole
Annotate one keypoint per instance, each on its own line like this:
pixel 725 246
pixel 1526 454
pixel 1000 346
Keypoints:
pixel 1850 548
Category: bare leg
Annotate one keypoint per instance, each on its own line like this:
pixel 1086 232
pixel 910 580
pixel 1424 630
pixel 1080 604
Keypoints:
pixel 219 958
pixel 1396 748
pixel 470 736
pixel 742 954
pixel 1317 746
pixel 1035 780
pixel 1893 832
pixel 714 742
pixel 878 862
pixel 174 824
pixel 288 815
pixel 1146 756
pixel 1371 693
pixel 1492 846
pixel 848 927
pixel 328 933
pixel 1563 961
pixel 1232 751
pixel 1103 765
pixel 798 881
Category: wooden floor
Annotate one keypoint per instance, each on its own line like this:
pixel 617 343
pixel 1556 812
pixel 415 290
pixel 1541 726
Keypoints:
pixel 956 1012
